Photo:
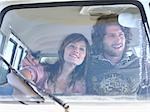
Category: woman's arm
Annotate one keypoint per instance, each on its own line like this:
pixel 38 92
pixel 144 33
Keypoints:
pixel 29 60
pixel 21 85
pixel 31 73
pixel 29 67
pixel 26 73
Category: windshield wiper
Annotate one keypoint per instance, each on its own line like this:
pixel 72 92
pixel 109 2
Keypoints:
pixel 39 91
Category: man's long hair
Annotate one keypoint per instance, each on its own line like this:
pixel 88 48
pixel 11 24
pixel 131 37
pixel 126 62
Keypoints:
pixel 98 32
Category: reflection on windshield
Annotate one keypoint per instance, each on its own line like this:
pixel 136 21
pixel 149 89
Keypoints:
pixel 101 58
pixel 112 68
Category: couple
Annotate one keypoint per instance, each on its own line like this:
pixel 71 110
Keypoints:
pixel 77 72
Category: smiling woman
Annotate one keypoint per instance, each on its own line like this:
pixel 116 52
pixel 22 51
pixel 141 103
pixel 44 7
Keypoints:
pixel 67 75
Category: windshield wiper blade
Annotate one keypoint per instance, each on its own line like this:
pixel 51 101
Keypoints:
pixel 36 89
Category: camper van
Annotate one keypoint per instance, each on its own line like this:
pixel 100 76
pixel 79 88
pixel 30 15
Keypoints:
pixel 74 55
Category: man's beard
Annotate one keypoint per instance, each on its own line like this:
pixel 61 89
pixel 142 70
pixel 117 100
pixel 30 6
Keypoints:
pixel 111 52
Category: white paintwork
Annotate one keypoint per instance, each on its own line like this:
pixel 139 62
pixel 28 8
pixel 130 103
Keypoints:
pixel 90 106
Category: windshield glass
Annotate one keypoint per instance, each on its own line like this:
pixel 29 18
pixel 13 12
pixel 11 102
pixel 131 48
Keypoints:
pixel 98 50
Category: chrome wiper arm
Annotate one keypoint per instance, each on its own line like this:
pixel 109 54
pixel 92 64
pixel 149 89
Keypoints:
pixel 38 90
pixel 44 91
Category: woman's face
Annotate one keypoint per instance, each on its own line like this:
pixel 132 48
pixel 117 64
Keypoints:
pixel 75 52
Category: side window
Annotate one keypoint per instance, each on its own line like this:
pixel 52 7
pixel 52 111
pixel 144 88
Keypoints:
pixel 50 60
pixel 3 72
pixel 2 39
pixel 18 58
pixel 15 50
pixel 10 50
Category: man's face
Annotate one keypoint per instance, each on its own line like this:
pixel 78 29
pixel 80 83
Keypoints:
pixel 114 41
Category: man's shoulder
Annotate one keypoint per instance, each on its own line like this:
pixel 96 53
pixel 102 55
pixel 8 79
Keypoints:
pixel 96 60
pixel 129 61
pixel 98 65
